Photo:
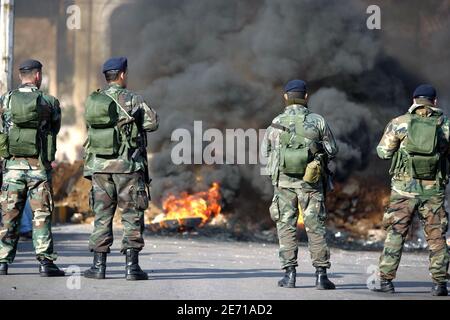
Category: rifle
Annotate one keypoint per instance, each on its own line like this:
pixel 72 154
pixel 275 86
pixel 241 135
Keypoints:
pixel 321 155
pixel 141 151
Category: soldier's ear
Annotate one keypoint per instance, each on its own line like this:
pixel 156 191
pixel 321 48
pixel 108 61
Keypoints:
pixel 306 96
pixel 285 96
pixel 435 101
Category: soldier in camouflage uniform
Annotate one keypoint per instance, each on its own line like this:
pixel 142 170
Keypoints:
pixel 29 177
pixel 410 195
pixel 120 181
pixel 292 191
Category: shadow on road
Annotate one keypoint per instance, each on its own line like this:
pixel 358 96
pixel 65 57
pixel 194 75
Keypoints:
pixel 215 273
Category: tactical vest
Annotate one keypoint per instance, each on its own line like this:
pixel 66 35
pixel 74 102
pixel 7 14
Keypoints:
pixel 420 157
pixel 29 135
pixel 294 152
pixel 107 134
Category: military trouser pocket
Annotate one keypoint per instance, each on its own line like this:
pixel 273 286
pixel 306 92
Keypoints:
pixel 388 220
pixel 140 198
pixel 317 201
pixel 47 197
pixel 275 209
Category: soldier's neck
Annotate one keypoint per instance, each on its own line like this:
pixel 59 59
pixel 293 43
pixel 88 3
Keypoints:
pixel 299 101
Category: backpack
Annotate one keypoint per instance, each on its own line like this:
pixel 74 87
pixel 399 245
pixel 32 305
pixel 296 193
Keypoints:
pixel 107 134
pixel 294 153
pixel 421 146
pixel 23 136
pixel 101 117
pixel 28 136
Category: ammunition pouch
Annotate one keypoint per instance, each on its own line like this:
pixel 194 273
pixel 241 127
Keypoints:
pixel 24 108
pixel 23 142
pixel 275 209
pixel 423 167
pixel 104 141
pixel 313 172
pixel 294 160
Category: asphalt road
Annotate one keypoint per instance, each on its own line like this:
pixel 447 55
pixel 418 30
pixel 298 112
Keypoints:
pixel 200 268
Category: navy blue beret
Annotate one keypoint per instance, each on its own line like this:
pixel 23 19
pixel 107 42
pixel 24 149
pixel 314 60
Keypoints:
pixel 295 86
pixel 30 65
pixel 425 90
pixel 120 63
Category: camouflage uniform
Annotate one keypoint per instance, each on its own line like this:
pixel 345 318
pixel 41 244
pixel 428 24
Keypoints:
pixel 27 177
pixel 120 182
pixel 290 192
pixel 411 195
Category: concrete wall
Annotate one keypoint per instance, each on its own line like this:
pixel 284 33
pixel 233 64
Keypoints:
pixel 72 58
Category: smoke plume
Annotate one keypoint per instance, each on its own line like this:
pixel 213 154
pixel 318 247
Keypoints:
pixel 225 62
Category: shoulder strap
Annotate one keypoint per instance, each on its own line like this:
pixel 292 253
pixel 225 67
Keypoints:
pixel 8 97
pixel 280 127
pixel 119 105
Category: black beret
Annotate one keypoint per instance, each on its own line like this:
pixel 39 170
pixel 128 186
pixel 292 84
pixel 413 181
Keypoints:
pixel 425 90
pixel 120 63
pixel 295 86
pixel 30 65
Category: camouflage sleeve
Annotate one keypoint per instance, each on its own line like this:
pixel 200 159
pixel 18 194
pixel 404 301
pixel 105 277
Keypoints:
pixel 390 142
pixel 5 114
pixel 2 110
pixel 150 119
pixel 266 146
pixel 329 142
pixel 446 137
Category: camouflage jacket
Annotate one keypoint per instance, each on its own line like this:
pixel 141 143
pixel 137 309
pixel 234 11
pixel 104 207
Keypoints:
pixel 6 124
pixel 393 142
pixel 147 120
pixel 316 130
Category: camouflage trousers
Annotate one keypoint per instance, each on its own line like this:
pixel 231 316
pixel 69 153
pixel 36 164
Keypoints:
pixel 284 211
pixel 126 191
pixel 17 186
pixel 397 221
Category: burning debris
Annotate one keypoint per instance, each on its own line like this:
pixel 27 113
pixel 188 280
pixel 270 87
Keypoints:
pixel 355 212
pixel 188 211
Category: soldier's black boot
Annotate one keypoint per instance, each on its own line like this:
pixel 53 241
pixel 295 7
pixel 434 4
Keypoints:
pixel 98 269
pixel 322 281
pixel 439 289
pixel 3 268
pixel 132 270
pixel 386 286
pixel 288 281
pixel 48 269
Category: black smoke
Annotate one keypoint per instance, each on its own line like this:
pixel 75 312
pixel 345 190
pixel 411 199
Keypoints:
pixel 225 62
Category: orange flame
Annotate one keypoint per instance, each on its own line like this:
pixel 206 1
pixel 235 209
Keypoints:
pixel 300 222
pixel 204 205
